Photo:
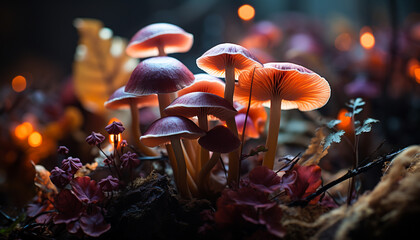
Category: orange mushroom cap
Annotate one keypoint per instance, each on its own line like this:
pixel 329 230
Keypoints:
pixel 256 115
pixel 120 99
pixel 196 103
pixel 205 83
pixel 297 86
pixel 214 61
pixel 250 130
pixel 164 129
pixel 172 38
pixel 159 75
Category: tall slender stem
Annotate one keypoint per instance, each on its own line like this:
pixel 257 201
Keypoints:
pixel 273 132
pixel 135 131
pixel 204 153
pixel 182 168
pixel 204 173
pixel 234 160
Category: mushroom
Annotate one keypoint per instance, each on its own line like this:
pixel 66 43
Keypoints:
pixel 228 60
pixel 201 104
pixel 161 76
pixel 171 129
pixel 283 86
pixel 120 99
pixel 159 39
pixel 205 83
pixel 218 140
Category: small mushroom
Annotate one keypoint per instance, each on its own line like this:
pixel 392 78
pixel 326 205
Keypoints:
pixel 159 39
pixel 161 76
pixel 283 86
pixel 201 104
pixel 172 129
pixel 120 99
pixel 228 60
pixel 218 140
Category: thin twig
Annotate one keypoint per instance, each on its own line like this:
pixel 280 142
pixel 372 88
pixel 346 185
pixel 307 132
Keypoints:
pixel 247 112
pixel 349 174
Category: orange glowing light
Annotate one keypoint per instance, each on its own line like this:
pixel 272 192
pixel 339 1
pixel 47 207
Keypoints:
pixel 23 130
pixel 417 74
pixel 246 12
pixel 343 42
pixel 19 83
pixel 367 40
pixel 111 136
pixel 345 123
pixel 35 139
pixel 412 65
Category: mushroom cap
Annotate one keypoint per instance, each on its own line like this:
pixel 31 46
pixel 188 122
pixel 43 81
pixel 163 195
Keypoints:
pixel 196 103
pixel 214 61
pixel 205 83
pixel 250 130
pixel 164 129
pixel 297 86
pixel 120 99
pixel 145 42
pixel 258 116
pixel 220 139
pixel 159 75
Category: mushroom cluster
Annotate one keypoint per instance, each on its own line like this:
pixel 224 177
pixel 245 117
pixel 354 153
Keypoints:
pixel 187 103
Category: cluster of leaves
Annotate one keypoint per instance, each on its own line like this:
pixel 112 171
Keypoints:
pixel 79 201
pixel 355 106
pixel 256 201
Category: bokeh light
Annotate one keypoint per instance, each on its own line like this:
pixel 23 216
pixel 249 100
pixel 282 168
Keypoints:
pixel 35 139
pixel 246 12
pixel 343 42
pixel 23 130
pixel 19 83
pixel 417 75
pixel 367 40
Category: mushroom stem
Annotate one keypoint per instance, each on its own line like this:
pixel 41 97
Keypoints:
pixel 234 161
pixel 135 130
pixel 182 169
pixel 204 153
pixel 273 132
pixel 161 50
pixel 230 82
pixel 190 167
pixel 164 100
pixel 191 151
pixel 204 173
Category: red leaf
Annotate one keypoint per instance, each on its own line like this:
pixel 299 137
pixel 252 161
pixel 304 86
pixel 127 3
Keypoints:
pixel 264 179
pixel 86 190
pixel 308 179
pixel 73 227
pixel 271 218
pixel 93 224
pixel 68 206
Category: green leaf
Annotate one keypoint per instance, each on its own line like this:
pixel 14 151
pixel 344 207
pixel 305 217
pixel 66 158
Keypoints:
pixel 354 103
pixel 332 123
pixel 366 127
pixel 333 137
pixel 348 114
pixel 357 111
